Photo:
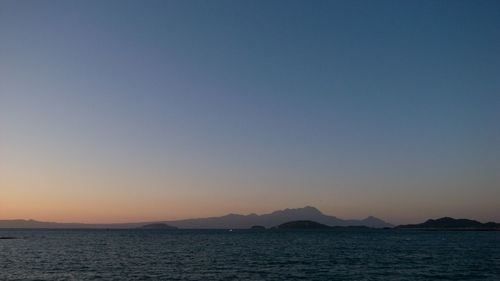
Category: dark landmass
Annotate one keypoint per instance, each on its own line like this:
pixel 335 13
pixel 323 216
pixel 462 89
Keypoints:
pixel 447 223
pixel 7 237
pixel 231 221
pixel 235 221
pixel 303 225
pixel 257 227
pixel 356 227
pixel 33 224
pixel 157 226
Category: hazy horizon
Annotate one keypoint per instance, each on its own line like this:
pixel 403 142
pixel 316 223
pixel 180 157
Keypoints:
pixel 236 213
pixel 125 111
pixel 188 218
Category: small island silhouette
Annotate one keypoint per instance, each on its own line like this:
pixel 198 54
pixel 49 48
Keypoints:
pixel 157 226
pixel 305 224
pixel 447 223
pixel 258 227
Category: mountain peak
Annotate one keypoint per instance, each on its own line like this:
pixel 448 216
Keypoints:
pixel 371 218
pixel 307 213
pixel 372 221
pixel 309 210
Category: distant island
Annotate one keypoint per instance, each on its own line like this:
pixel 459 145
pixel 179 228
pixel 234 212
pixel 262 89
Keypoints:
pixel 300 218
pixel 157 226
pixel 307 224
pixel 258 227
pixel 447 223
pixel 230 221
pixel 303 225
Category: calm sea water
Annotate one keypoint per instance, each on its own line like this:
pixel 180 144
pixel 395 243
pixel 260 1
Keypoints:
pixel 249 255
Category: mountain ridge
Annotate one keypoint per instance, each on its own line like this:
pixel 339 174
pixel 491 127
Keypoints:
pixel 227 221
pixel 275 218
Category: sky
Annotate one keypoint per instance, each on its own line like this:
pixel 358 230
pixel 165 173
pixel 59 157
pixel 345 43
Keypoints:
pixel 120 111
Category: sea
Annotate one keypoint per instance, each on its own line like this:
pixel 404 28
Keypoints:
pixel 249 255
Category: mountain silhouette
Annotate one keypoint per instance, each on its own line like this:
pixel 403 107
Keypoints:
pixel 275 218
pixel 228 221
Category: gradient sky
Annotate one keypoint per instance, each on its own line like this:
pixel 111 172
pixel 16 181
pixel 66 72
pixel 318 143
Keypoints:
pixel 116 111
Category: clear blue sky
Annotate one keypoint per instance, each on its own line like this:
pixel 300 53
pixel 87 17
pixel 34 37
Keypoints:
pixel 170 109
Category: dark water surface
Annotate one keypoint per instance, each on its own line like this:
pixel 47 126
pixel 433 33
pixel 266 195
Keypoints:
pixel 249 255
